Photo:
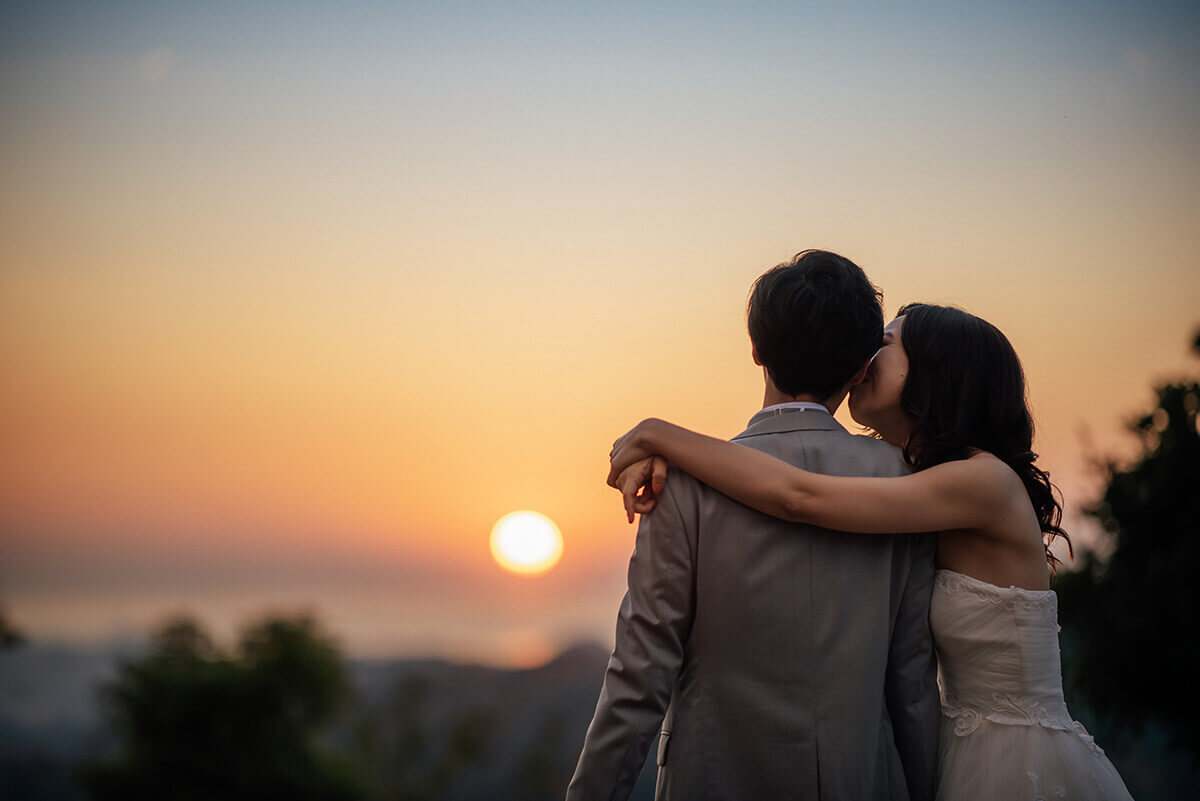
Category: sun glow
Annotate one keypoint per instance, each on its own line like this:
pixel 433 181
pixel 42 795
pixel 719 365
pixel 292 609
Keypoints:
pixel 526 543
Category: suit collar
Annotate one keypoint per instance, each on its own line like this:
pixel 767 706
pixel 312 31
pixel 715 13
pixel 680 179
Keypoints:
pixel 774 421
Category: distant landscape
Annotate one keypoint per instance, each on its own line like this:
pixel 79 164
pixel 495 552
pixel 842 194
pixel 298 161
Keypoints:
pixel 529 724
pixel 522 728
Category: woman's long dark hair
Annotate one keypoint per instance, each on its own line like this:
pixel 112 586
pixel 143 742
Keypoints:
pixel 966 389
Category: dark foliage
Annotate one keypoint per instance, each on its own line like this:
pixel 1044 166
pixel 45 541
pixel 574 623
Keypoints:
pixel 196 723
pixel 9 636
pixel 1131 618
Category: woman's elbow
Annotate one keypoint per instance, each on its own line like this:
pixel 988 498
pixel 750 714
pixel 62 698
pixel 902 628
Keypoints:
pixel 796 505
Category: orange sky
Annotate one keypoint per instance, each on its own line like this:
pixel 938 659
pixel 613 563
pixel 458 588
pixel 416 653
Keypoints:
pixel 284 324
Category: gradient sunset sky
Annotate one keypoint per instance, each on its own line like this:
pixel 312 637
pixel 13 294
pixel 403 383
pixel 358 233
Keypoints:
pixel 298 299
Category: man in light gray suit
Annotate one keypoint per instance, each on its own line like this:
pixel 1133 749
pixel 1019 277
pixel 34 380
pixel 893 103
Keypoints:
pixel 789 661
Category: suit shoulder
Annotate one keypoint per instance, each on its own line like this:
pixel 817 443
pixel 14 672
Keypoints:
pixel 681 483
pixel 685 492
pixel 869 444
pixel 875 456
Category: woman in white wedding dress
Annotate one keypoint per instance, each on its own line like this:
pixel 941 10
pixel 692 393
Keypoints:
pixel 948 388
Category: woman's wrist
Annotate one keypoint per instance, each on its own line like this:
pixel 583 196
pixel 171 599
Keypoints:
pixel 650 437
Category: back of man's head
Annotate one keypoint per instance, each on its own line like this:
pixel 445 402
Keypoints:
pixel 814 322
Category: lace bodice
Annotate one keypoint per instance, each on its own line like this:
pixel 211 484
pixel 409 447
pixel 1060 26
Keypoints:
pixel 998 655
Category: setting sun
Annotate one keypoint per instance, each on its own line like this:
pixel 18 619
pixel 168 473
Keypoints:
pixel 526 543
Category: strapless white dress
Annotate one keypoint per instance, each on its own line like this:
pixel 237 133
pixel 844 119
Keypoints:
pixel 1005 730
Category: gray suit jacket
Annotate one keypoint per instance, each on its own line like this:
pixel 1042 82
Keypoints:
pixel 796 661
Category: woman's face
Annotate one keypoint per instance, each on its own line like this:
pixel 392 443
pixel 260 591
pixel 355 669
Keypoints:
pixel 876 401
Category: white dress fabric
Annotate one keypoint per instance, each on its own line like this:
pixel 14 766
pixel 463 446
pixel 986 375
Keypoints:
pixel 1005 732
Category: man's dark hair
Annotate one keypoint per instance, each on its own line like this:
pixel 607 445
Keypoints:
pixel 814 321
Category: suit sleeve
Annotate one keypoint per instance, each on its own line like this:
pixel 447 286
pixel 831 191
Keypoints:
pixel 652 628
pixel 913 703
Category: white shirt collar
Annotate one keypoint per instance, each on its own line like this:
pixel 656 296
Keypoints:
pixel 816 407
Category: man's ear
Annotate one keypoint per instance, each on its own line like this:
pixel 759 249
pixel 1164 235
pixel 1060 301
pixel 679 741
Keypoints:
pixel 861 374
pixel 754 354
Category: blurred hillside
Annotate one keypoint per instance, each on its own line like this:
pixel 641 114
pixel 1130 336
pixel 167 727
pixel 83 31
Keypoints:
pixel 416 729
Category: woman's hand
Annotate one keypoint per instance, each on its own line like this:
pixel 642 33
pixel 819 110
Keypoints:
pixel 636 445
pixel 648 476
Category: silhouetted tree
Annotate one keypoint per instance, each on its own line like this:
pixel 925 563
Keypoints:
pixel 1131 618
pixel 197 723
pixel 9 636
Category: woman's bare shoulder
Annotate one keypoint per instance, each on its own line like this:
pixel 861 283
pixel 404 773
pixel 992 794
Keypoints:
pixel 1009 498
pixel 983 478
pixel 986 465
